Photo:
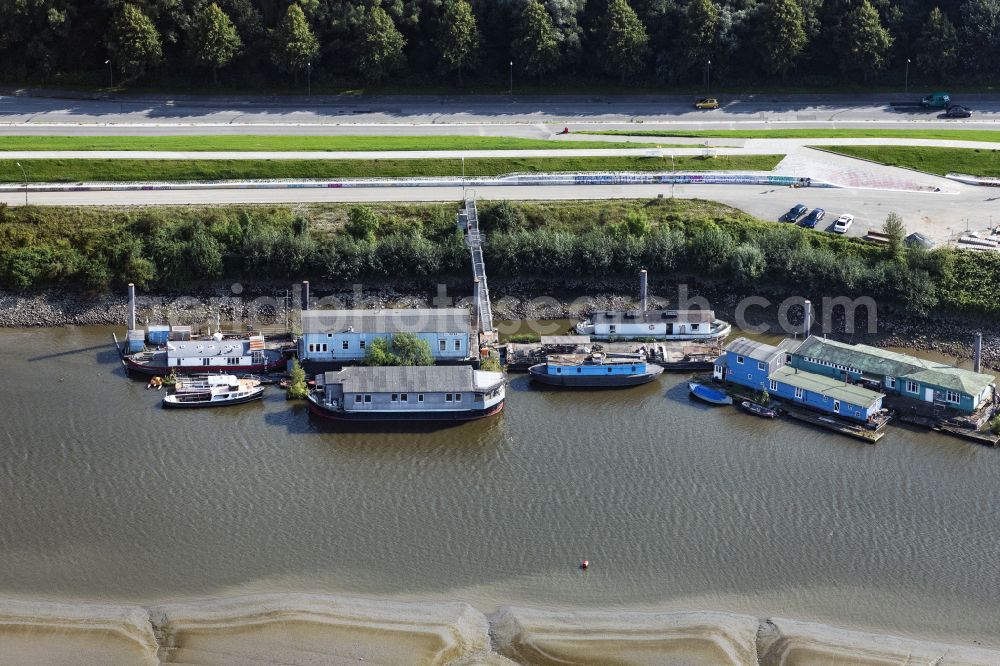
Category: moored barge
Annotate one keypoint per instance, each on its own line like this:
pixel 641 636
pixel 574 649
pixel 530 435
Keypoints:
pixel 213 391
pixel 421 393
pixel 596 370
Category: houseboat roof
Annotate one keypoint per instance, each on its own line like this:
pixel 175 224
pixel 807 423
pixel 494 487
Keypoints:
pixel 836 389
pixel 207 348
pixel 893 364
pixel 413 379
pixel 653 316
pixel 758 351
pixel 400 320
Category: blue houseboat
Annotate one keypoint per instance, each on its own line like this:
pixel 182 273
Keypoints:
pixel 595 370
pixel 339 337
pixel 764 367
pixel 409 393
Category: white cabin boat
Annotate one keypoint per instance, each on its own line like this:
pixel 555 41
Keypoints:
pixel 654 325
pixel 213 391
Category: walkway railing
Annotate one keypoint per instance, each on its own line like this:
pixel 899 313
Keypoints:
pixel 474 239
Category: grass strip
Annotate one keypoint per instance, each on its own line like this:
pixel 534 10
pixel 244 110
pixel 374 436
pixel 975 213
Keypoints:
pixel 123 170
pixel 247 142
pixel 940 161
pixel 952 135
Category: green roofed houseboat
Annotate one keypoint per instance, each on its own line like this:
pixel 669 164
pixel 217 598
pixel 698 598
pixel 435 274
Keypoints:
pixel 932 382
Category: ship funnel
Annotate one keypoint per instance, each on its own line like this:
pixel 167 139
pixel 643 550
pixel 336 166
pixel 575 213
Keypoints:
pixel 977 353
pixel 131 307
pixel 305 294
pixel 807 308
pixel 643 289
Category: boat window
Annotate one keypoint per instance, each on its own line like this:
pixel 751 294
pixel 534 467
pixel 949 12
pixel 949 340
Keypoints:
pixel 579 370
pixel 357 398
pixel 329 335
pixel 442 345
pixel 739 359
pixel 558 371
pixel 761 365
pixel 404 398
pixel 395 397
pixel 458 345
pixel 609 369
pixel 324 347
pixel 633 368
pixel 361 343
pixel 346 344
pixel 836 406
pixel 772 385
pixel 311 348
pixel 420 397
pixel 458 397
pixel 798 393
pixel 368 398
pixel 447 397
pixel 206 361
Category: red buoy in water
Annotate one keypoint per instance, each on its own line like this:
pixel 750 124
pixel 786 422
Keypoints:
pixel 585 565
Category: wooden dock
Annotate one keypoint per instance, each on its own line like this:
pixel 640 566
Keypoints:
pixel 978 436
pixel 835 425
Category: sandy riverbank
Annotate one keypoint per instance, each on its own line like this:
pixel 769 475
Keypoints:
pixel 312 629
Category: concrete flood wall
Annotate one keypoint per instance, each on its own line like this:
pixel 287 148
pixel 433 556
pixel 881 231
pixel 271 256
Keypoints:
pixel 667 178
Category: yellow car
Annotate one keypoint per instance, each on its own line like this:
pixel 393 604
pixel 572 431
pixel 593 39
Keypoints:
pixel 707 103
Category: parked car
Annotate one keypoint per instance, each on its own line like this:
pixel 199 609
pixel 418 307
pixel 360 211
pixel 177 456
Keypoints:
pixel 843 223
pixel 797 211
pixel 938 100
pixel 957 111
pixel 707 103
pixel 812 219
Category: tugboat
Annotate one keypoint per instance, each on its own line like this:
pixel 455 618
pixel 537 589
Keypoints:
pixel 595 370
pixel 213 391
pixel 408 393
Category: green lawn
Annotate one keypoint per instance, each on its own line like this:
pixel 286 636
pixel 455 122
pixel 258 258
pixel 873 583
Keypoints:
pixel 974 161
pixel 955 135
pixel 75 170
pixel 248 142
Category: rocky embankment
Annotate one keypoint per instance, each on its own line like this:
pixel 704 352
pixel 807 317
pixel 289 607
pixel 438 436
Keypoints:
pixel 271 304
pixel 314 628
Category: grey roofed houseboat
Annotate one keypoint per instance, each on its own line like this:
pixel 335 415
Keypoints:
pixel 407 393
pixel 338 337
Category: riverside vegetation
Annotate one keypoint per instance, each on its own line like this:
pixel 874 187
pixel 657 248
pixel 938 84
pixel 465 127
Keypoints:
pixel 94 249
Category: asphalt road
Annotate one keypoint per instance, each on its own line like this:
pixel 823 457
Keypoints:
pixel 528 116
pixel 938 215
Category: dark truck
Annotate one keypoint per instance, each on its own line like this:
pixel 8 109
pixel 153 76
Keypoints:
pixel 938 100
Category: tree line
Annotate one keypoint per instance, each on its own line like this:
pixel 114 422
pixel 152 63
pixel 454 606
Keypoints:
pixel 453 42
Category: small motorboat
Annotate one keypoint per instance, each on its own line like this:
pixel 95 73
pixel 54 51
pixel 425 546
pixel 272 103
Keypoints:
pixel 213 391
pixel 709 394
pixel 758 410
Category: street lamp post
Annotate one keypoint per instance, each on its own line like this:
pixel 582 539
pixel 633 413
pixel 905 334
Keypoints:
pixel 906 83
pixel 309 82
pixel 511 88
pixel 673 175
pixel 708 77
pixel 25 182
pixel 111 74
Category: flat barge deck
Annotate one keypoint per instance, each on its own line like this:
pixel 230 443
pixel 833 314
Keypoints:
pixel 519 356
